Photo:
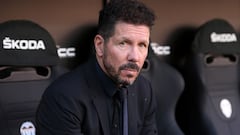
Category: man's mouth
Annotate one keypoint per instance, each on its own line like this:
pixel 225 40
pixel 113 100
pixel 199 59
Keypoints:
pixel 130 67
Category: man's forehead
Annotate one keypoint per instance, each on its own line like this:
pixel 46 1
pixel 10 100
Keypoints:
pixel 132 30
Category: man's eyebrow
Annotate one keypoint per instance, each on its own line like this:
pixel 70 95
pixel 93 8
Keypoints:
pixel 129 40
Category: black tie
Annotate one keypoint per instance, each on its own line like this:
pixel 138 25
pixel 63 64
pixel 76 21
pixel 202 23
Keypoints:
pixel 125 111
pixel 116 114
pixel 120 113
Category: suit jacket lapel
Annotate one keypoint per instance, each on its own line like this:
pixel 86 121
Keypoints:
pixel 101 108
pixel 99 97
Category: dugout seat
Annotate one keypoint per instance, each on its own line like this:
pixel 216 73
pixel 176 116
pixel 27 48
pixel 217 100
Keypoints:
pixel 211 105
pixel 167 84
pixel 28 57
pixel 77 46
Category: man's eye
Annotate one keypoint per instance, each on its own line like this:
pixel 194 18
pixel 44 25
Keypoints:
pixel 122 43
pixel 143 45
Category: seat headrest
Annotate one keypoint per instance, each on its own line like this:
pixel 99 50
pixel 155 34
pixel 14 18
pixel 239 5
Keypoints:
pixel 216 36
pixel 25 43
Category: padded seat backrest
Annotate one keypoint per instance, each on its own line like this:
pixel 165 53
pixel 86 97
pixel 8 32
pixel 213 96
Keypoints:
pixel 28 56
pixel 168 85
pixel 77 47
pixel 212 81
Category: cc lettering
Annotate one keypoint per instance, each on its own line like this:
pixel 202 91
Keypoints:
pixel 66 52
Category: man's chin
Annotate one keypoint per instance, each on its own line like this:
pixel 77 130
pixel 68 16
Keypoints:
pixel 129 73
pixel 128 80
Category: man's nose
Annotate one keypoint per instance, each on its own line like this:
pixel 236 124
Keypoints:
pixel 134 54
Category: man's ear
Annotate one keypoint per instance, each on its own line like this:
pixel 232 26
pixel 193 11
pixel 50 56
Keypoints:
pixel 99 45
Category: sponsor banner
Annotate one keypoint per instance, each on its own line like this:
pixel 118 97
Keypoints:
pixel 160 50
pixel 66 52
pixel 223 37
pixel 22 44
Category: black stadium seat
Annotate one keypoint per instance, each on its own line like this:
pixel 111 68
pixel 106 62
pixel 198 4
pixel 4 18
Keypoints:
pixel 211 105
pixel 28 57
pixel 168 85
pixel 77 46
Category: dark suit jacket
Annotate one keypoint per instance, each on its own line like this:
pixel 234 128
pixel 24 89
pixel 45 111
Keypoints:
pixel 75 104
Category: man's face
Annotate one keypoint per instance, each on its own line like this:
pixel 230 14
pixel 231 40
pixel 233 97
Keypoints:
pixel 123 55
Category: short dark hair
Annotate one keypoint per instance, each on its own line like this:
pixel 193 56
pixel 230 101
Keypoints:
pixel 129 11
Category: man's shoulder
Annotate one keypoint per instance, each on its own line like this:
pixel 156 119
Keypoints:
pixel 75 80
pixel 142 85
pixel 71 76
pixel 142 81
pixel 78 74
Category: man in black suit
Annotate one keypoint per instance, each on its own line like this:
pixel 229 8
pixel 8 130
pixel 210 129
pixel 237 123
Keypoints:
pixel 85 101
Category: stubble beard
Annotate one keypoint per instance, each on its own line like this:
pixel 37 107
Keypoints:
pixel 115 75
